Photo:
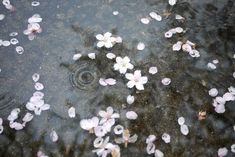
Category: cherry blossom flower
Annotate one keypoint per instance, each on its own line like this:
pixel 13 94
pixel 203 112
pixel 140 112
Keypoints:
pixel 103 148
pixel 108 115
pixel 32 29
pixel 126 138
pixel 130 99
pixel 106 40
pixel 89 124
pixel 136 80
pixel 122 64
pixel 37 105
pixel 131 115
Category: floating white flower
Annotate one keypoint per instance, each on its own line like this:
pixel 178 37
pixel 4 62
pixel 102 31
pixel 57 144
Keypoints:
pixel 32 29
pixel 213 92
pixel 105 40
pixel 37 105
pixel 122 64
pixel 166 138
pixel 153 70
pixel 126 138
pixel 222 152
pixel 89 124
pixel 108 115
pixel 136 80
pixel 130 99
pixel 131 115
pixel 71 112
pixel 53 135
pixel 103 148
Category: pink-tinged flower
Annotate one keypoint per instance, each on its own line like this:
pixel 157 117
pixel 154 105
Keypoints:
pixel 103 146
pixel 108 115
pixel 122 64
pixel 105 40
pixel 89 124
pixel 32 29
pixel 37 106
pixel 136 80
pixel 126 138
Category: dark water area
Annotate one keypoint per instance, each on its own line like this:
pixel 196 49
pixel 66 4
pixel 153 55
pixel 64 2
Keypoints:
pixel 70 27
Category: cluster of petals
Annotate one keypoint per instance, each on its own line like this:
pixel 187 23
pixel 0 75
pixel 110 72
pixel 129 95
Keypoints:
pixel 36 102
pixel 219 102
pixel 188 47
pixel 151 148
pixel 136 80
pixel 107 82
pixel 172 31
pixel 33 26
pixel 107 40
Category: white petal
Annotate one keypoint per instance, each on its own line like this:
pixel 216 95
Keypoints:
pixel 110 81
pixel 129 76
pixel 54 137
pixel 177 46
pixel 140 46
pixel 16 126
pixel 100 44
pixel 35 77
pixel 179 17
pixel 38 86
pixel 213 92
pixel 172 2
pixel 153 70
pixel 100 131
pixel 108 44
pixel 1 129
pixel 130 99
pixel 211 66
pixel 77 56
pixel 107 34
pixel 220 108
pixel 150 148
pixel 168 34
pixel 181 120
pixel 131 115
pixel 228 97
pixel 233 148
pixel 118 129
pixel 99 37
pixel 98 142
pixel 1 121
pixel 222 152
pixel 184 129
pixel 166 81
pixel 115 12
pixel 150 139
pixel 130 84
pixel 158 153
pixel 155 16
pixel 71 112
pixel 102 82
pixel 179 30
pixel 139 86
pixel 110 55
pixel 145 21
pixel 166 138
pixel 28 117
pixel 91 55
pixel 30 106
pixel 45 107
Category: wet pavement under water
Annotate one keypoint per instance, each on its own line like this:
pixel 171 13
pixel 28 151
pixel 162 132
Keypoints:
pixel 69 27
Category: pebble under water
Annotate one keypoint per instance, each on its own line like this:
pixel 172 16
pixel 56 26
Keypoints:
pixel 57 53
